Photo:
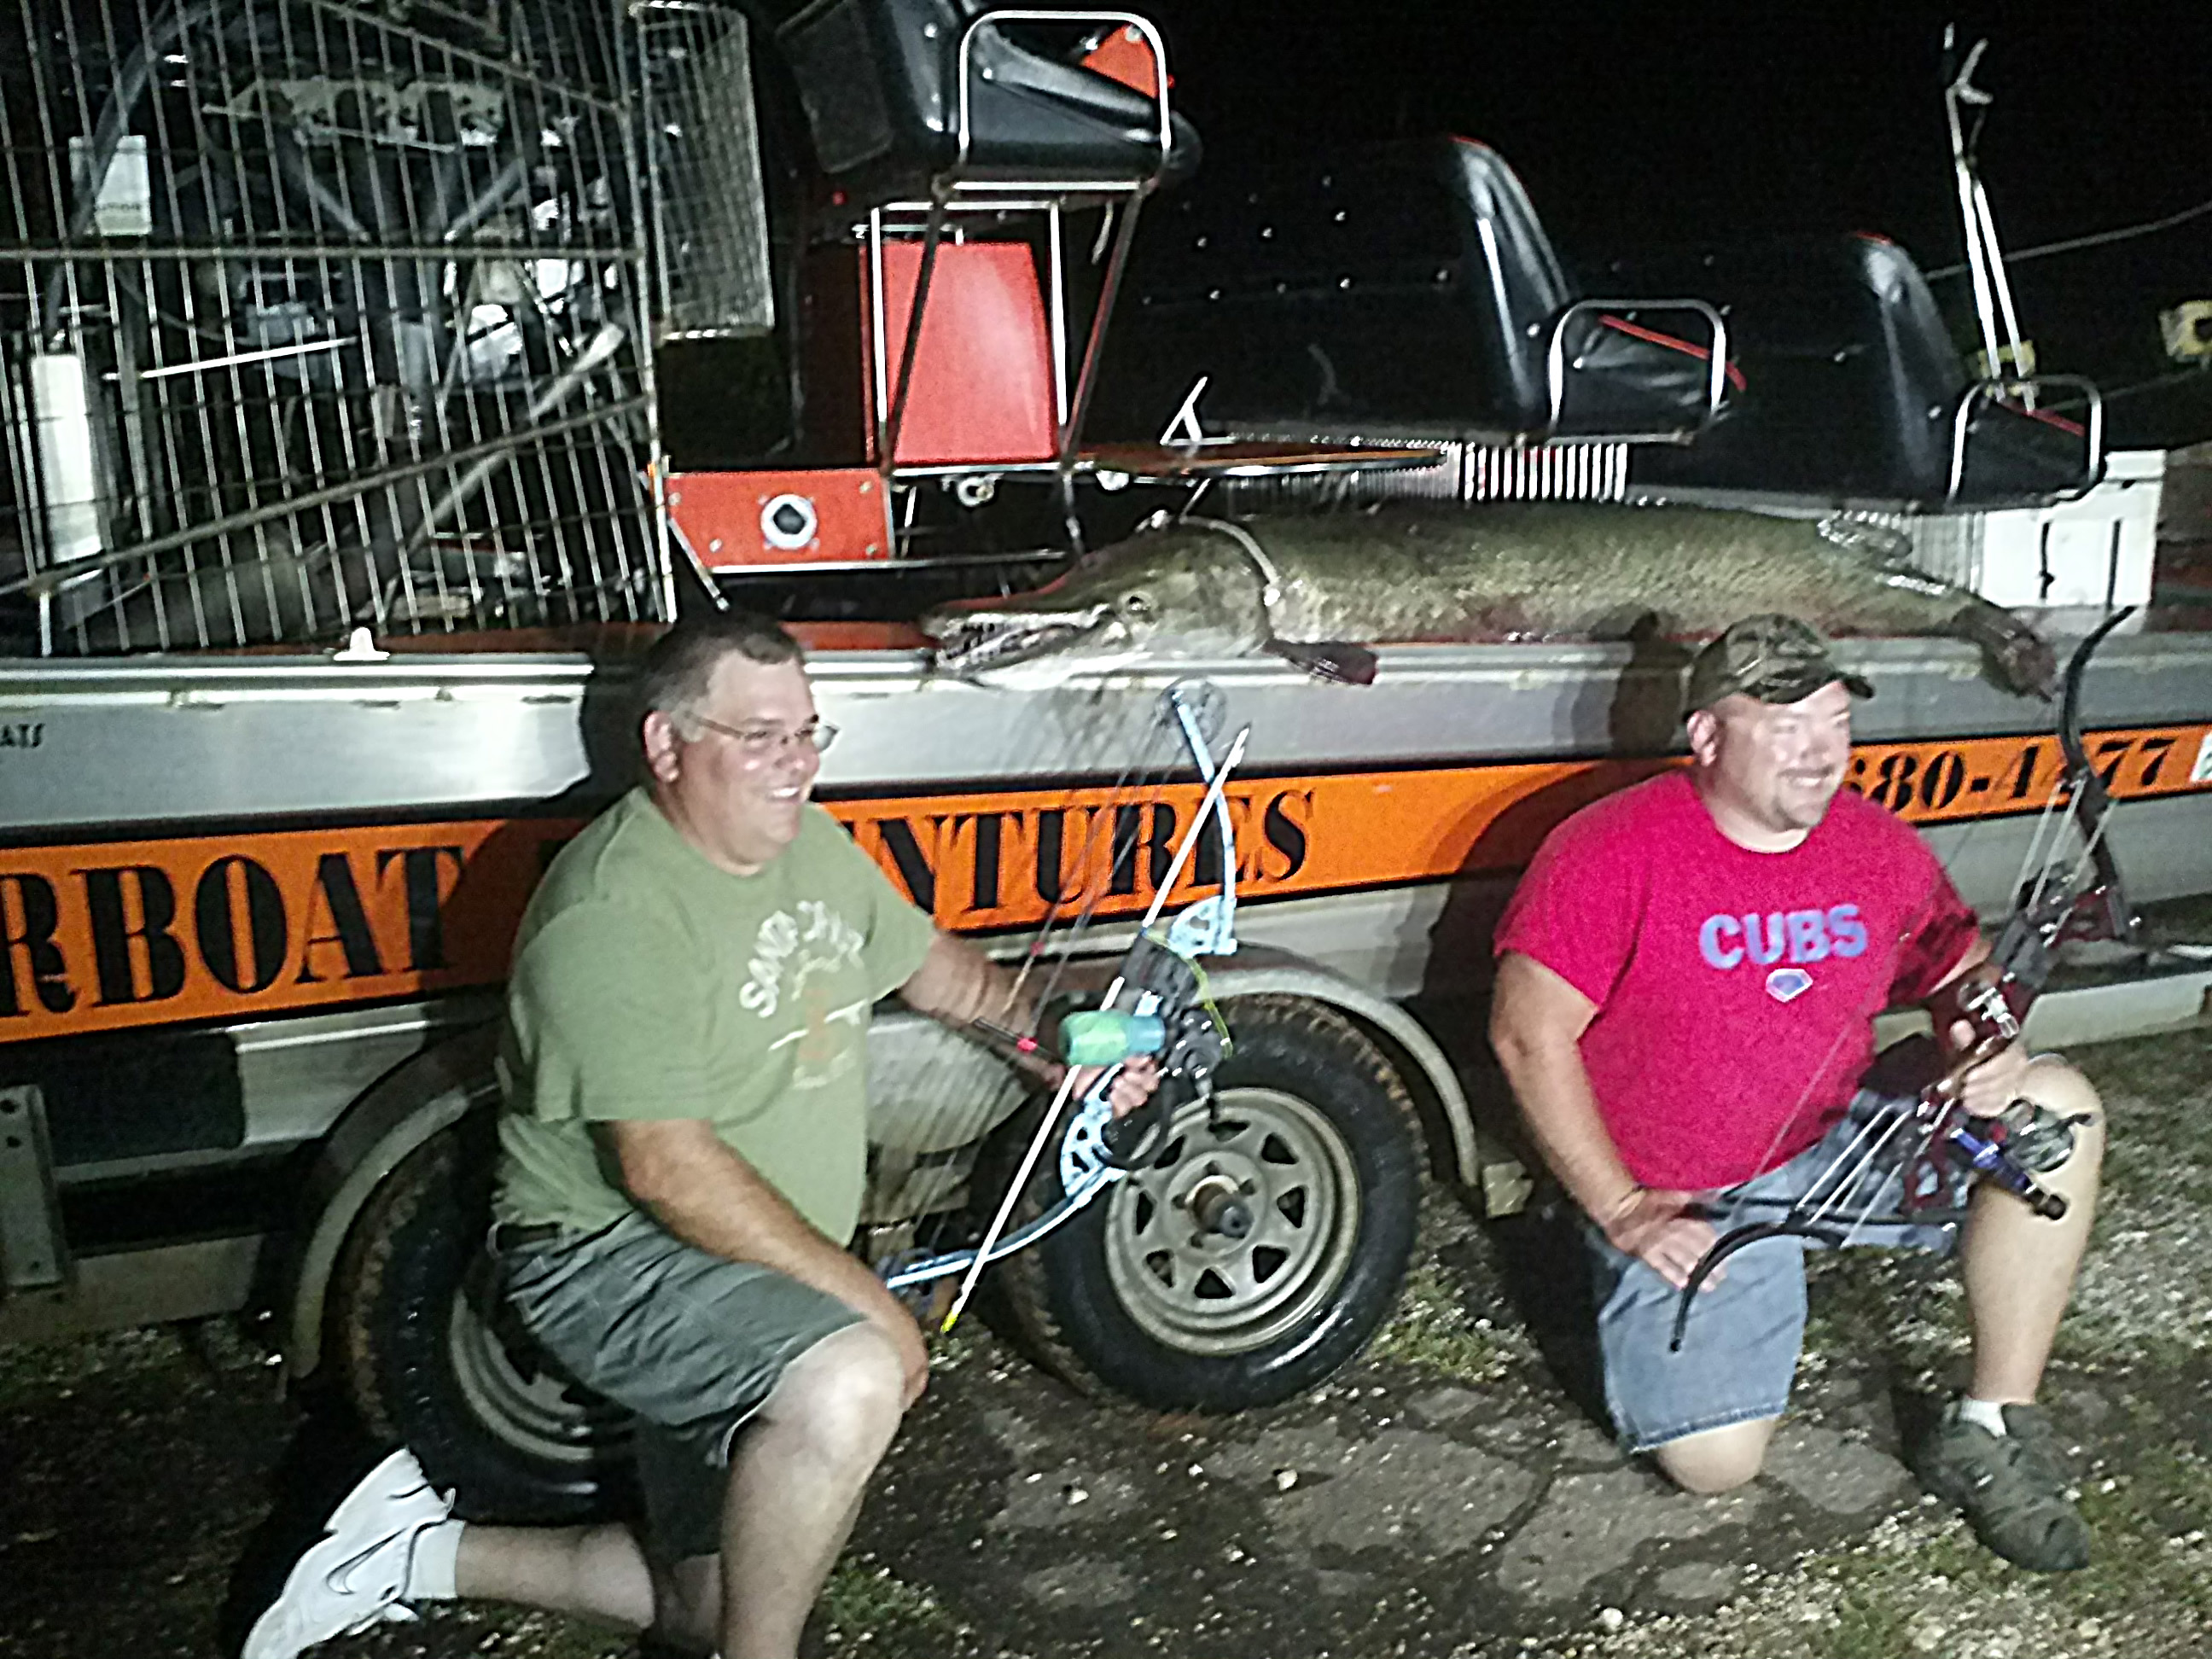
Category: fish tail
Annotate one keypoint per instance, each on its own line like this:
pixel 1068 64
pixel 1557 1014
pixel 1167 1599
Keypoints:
pixel 2021 659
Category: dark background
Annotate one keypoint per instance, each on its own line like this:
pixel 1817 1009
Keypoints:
pixel 1640 126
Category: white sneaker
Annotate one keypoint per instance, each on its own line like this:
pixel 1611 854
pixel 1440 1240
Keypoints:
pixel 354 1577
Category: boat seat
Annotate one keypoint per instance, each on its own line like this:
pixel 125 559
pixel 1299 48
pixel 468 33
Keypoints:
pixel 880 81
pixel 1854 382
pixel 1633 379
pixel 1405 288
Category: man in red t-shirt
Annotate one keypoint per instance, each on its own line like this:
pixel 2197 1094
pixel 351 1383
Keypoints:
pixel 1688 981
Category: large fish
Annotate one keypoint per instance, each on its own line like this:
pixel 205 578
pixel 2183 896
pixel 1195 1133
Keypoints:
pixel 1316 589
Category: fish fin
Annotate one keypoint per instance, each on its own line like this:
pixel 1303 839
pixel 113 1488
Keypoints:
pixel 2020 657
pixel 1337 661
pixel 1877 542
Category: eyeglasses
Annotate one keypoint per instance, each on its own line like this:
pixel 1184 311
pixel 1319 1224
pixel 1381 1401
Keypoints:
pixel 759 742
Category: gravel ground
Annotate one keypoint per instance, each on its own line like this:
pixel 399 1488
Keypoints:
pixel 1450 1494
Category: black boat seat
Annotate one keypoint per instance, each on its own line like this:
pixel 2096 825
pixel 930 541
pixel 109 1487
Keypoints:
pixel 1400 288
pixel 1854 383
pixel 1630 377
pixel 880 81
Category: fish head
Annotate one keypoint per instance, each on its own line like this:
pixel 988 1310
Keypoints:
pixel 1163 596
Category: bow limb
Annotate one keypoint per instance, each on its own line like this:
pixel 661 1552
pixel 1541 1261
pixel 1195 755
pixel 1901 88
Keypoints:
pixel 907 1276
pixel 983 1254
pixel 1726 1246
pixel 2096 809
pixel 2053 904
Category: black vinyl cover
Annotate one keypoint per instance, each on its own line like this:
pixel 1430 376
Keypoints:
pixel 1852 381
pixel 879 81
pixel 1400 287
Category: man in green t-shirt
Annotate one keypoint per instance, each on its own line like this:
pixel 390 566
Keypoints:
pixel 682 1159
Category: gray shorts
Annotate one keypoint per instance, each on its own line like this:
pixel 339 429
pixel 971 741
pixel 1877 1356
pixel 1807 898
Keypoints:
pixel 1740 1349
pixel 688 1342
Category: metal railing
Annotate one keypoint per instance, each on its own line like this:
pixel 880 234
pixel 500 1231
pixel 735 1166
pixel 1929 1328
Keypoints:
pixel 1125 190
pixel 1715 352
pixel 2018 393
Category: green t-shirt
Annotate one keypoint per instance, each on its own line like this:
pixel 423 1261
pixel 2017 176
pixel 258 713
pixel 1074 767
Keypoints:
pixel 650 984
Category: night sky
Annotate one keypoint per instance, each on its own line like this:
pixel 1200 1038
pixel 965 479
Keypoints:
pixel 1690 124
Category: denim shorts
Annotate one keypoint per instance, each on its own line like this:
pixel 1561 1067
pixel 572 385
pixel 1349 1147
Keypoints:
pixel 1740 1347
pixel 689 1343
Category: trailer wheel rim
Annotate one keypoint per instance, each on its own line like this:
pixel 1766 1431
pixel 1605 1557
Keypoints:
pixel 513 1392
pixel 1196 1289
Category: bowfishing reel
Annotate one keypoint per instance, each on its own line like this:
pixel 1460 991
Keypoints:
pixel 1170 1018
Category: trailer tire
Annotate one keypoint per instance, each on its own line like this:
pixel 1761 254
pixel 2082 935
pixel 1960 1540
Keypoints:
pixel 1318 1133
pixel 431 1360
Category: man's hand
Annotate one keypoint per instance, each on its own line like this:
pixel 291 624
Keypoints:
pixel 1997 1081
pixel 1140 1075
pixel 1658 1230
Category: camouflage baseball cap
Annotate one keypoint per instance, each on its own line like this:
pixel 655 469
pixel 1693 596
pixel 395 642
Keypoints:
pixel 1775 659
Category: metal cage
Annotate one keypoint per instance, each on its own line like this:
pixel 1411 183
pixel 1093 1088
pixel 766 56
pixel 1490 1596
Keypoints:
pixel 316 316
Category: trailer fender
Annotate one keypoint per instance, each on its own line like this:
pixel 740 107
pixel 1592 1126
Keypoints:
pixel 1478 1161
pixel 430 1092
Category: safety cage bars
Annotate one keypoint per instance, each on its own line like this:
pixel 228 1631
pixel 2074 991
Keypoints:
pixel 315 315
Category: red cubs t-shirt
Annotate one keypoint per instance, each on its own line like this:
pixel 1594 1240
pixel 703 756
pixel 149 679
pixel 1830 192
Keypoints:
pixel 1735 990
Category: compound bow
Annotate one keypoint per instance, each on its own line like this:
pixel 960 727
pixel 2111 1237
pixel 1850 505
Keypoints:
pixel 1158 975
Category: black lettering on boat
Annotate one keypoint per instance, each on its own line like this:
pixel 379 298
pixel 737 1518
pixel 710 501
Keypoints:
pixel 426 893
pixel 349 930
pixel 990 831
pixel 917 870
pixel 1053 876
pixel 30 911
pixel 245 960
pixel 122 947
pixel 1289 816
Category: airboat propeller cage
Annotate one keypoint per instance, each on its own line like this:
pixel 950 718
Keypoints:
pixel 316 318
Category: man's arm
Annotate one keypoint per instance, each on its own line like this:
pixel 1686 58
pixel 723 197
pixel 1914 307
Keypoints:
pixel 1536 1021
pixel 1976 953
pixel 710 1197
pixel 958 984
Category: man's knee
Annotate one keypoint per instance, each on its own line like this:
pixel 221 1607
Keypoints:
pixel 846 1392
pixel 1717 1460
pixel 2056 1086
pixel 2076 1116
